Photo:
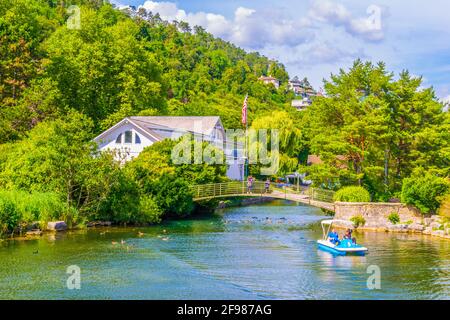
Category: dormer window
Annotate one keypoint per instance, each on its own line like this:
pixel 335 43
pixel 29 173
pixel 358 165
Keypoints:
pixel 128 137
pixel 119 139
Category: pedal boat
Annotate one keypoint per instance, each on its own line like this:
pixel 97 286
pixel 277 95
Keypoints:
pixel 346 247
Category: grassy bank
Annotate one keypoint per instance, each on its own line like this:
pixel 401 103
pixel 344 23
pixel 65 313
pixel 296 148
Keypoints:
pixel 20 209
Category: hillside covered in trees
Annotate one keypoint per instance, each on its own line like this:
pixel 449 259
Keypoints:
pixel 120 64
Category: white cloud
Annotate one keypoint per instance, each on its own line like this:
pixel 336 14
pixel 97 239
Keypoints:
pixel 313 54
pixel 327 11
pixel 369 28
pixel 446 102
pixel 256 29
pixel 248 28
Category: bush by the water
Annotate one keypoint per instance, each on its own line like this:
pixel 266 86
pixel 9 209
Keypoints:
pixel 394 218
pixel 149 211
pixel 19 208
pixel 352 194
pixel 358 221
pixel 425 191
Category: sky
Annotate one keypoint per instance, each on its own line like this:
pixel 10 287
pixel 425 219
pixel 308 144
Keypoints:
pixel 315 38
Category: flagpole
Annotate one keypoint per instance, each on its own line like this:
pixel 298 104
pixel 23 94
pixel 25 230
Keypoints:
pixel 246 173
pixel 246 149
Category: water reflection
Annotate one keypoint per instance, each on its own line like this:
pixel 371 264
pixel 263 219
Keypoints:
pixel 262 251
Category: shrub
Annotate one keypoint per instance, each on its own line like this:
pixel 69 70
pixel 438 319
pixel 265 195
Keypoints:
pixel 149 211
pixel 327 212
pixel 424 191
pixel 394 218
pixel 172 194
pixel 9 215
pixel 352 194
pixel 121 205
pixel 358 221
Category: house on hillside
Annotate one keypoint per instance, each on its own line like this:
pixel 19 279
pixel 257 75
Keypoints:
pixel 301 87
pixel 304 91
pixel 341 161
pixel 131 135
pixel 301 104
pixel 270 79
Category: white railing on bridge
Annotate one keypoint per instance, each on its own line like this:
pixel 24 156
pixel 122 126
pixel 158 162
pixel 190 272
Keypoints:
pixel 240 188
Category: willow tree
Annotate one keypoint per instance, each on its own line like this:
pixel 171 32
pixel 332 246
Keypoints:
pixel 290 139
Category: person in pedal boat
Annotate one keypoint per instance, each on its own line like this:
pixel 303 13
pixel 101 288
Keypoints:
pixel 348 235
pixel 333 237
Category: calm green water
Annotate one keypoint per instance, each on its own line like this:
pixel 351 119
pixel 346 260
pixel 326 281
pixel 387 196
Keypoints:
pixel 258 252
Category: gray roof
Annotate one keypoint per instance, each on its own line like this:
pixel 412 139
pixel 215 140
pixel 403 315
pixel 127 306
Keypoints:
pixel 202 125
pixel 152 125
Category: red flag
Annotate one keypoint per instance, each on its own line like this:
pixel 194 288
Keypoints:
pixel 244 110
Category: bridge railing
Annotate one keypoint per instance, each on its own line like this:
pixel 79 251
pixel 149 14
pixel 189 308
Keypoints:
pixel 321 195
pixel 239 188
pixel 315 194
pixel 214 190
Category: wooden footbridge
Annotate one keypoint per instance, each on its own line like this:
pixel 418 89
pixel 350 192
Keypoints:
pixel 312 196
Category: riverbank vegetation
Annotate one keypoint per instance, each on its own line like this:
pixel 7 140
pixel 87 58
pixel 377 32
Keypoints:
pixel 61 87
pixel 18 209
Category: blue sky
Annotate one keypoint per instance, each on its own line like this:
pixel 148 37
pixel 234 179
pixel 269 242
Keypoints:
pixel 315 38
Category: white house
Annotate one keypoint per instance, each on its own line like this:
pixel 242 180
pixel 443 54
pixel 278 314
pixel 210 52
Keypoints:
pixel 301 104
pixel 270 79
pixel 131 135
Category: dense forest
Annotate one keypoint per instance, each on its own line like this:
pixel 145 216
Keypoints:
pixel 61 86
pixel 120 64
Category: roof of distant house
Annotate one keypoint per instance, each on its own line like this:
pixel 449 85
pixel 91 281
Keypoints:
pixel 295 80
pixel 314 159
pixel 268 78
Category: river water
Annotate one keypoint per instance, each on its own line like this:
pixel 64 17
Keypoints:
pixel 257 252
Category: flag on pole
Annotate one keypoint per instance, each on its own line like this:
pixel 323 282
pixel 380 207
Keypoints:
pixel 244 110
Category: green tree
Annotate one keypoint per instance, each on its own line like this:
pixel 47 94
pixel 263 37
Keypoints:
pixel 58 156
pixel 372 130
pixel 104 71
pixel 425 190
pixel 291 141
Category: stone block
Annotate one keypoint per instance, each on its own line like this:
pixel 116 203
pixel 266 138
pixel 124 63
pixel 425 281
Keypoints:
pixel 415 227
pixel 57 226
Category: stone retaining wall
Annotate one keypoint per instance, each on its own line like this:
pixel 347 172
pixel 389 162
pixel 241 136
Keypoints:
pixel 376 218
pixel 376 214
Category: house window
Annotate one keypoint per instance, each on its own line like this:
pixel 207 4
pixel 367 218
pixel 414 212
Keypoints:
pixel 119 139
pixel 137 139
pixel 128 137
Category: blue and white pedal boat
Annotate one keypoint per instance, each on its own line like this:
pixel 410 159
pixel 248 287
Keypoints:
pixel 344 248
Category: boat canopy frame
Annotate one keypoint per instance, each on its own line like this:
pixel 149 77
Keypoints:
pixel 326 230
